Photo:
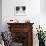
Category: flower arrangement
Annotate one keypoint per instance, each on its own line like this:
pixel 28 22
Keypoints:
pixel 40 34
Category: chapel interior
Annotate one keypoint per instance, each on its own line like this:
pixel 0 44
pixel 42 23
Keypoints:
pixel 22 23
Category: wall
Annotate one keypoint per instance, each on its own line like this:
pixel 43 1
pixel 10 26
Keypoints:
pixel 0 15
pixel 43 14
pixel 43 6
pixel 33 13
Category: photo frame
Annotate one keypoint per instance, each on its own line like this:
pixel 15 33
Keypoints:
pixel 20 10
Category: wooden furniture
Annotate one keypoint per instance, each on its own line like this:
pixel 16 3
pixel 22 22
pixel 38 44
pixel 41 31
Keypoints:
pixel 22 33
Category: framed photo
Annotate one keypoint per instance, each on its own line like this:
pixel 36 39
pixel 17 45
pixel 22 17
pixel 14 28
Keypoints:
pixel 20 10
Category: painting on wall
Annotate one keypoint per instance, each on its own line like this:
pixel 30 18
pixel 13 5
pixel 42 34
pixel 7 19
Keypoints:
pixel 19 10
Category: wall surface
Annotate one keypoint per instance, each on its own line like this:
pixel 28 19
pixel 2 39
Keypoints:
pixel 0 15
pixel 43 14
pixel 33 13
